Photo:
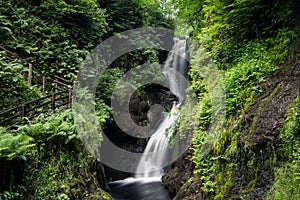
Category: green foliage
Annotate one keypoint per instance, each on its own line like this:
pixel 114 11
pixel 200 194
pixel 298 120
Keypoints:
pixel 7 195
pixel 290 132
pixel 154 14
pixel 129 14
pixel 226 26
pixel 51 132
pixel 286 184
pixel 14 86
pixel 252 67
pixel 287 177
pixel 5 31
pixel 254 62
pixel 107 83
pixel 57 166
pixel 52 36
pixel 247 40
pixel 68 175
pixel 55 37
pixel 204 165
pixel 121 15
pixel 247 73
pixel 83 20
pixel 12 145
pixel 103 112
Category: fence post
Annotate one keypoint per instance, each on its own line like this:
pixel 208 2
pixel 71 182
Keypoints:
pixel 29 73
pixel 55 85
pixel 53 101
pixel 23 111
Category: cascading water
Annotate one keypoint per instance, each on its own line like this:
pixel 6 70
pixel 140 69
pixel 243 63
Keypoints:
pixel 152 161
pixel 151 164
pixel 176 67
pixel 147 181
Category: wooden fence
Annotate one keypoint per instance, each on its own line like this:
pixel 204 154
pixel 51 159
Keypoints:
pixel 60 88
pixel 61 97
pixel 33 75
pixel 33 108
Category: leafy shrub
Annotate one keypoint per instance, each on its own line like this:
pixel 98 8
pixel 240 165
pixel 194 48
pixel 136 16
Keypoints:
pixel 244 59
pixel 14 86
pixel 53 36
pixel 58 166
pixel 12 145
pixel 14 150
pixel 51 132
pixel 286 184
pixel 226 26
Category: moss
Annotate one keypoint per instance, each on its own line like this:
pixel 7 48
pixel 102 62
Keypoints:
pixel 105 195
pixel 224 190
pixel 251 185
pixel 287 177
pixel 265 105
pixel 252 165
pixel 256 119
pixel 290 132
pixel 273 156
pixel 219 197
pixel 254 124
pixel 249 101
pixel 270 97
pixel 232 149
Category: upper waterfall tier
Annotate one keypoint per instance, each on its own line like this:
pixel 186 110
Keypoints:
pixel 157 151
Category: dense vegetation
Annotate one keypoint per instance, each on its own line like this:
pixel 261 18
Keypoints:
pixel 253 44
pixel 45 159
pixel 249 42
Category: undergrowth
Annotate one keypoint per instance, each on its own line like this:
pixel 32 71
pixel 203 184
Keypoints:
pixel 287 178
pixel 257 60
pixel 55 163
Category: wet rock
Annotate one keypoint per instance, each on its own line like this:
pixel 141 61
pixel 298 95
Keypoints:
pixel 146 109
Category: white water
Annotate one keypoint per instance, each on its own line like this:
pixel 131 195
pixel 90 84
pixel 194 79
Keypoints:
pixel 175 69
pixel 147 182
pixel 157 150
pixel 153 159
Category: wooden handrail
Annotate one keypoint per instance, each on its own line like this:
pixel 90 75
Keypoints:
pixel 24 109
pixel 38 106
pixel 10 110
pixel 62 79
pixel 37 100
pixel 61 83
pixel 22 59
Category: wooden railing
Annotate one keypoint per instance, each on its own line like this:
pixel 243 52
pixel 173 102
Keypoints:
pixel 61 95
pixel 31 109
pixel 32 74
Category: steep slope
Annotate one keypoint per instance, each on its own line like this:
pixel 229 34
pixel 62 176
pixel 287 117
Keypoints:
pixel 244 162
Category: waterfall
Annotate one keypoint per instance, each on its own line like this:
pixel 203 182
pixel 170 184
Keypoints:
pixel 157 149
pixel 175 69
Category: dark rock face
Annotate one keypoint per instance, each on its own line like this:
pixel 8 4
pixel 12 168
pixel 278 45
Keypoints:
pixel 181 181
pixel 261 127
pixel 142 114
pixel 178 174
